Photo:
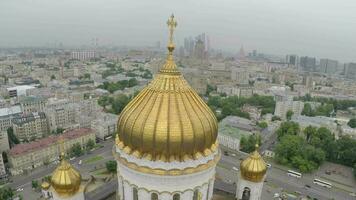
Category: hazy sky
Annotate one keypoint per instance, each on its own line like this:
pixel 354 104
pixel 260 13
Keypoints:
pixel 321 28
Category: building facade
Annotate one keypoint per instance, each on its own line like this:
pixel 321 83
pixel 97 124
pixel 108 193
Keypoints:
pixel 28 156
pixel 31 126
pixel 7 115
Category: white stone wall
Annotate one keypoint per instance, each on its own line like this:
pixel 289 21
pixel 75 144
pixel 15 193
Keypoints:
pixel 164 186
pixel 78 196
pixel 256 188
pixel 228 141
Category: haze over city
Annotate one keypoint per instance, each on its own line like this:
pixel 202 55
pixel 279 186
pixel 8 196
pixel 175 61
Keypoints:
pixel 177 100
pixel 322 28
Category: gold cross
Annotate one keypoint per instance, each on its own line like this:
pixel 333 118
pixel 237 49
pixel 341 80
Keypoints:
pixel 172 23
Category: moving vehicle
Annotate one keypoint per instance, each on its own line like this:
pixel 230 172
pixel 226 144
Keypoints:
pixel 235 168
pixel 322 183
pixel 294 174
pixel 80 162
pixel 269 165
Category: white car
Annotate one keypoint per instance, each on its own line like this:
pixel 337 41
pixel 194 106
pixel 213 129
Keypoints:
pixel 80 162
pixel 269 165
pixel 19 189
pixel 235 168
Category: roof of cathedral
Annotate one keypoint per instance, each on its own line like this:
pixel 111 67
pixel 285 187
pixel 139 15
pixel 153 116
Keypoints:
pixel 167 120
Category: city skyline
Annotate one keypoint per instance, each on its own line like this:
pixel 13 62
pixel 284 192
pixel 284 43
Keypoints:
pixel 323 29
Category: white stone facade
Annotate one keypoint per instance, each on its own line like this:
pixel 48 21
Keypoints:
pixel 137 185
pixel 229 141
pixel 254 188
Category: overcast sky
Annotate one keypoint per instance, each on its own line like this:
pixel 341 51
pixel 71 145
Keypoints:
pixel 321 28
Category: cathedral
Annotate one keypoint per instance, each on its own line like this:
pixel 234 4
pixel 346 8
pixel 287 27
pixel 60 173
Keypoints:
pixel 166 147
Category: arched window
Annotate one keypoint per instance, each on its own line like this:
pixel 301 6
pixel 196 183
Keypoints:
pixel 154 196
pixel 196 195
pixel 176 197
pixel 135 194
pixel 246 194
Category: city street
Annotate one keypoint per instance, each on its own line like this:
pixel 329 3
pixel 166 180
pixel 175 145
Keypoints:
pixel 277 179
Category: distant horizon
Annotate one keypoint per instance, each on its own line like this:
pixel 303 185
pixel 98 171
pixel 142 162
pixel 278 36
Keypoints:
pixel 319 28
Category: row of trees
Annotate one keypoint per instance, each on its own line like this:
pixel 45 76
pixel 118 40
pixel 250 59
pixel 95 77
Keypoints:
pixel 232 105
pixel 322 110
pixel 337 104
pixel 248 144
pixel 119 85
pixel 77 150
pixel 6 193
pixel 306 150
pixel 115 104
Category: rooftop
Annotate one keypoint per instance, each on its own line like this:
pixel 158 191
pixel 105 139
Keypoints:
pixel 10 111
pixel 45 142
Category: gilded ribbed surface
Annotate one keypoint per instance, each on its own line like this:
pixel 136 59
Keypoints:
pixel 65 179
pixel 253 168
pixel 45 185
pixel 167 120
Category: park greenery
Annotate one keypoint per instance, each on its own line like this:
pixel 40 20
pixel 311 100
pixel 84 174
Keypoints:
pixel 289 114
pixel 76 150
pixel 322 110
pixel 90 144
pixel 262 124
pixel 114 104
pixel 248 144
pixel 34 184
pixel 6 193
pixel 232 105
pixel 306 150
pixel 114 68
pixel 352 123
pixel 111 166
pixel 119 85
pixel 337 104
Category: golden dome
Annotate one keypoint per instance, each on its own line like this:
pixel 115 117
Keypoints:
pixel 65 179
pixel 253 168
pixel 45 185
pixel 167 120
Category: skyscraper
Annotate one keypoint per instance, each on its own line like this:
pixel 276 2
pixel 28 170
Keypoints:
pixel 328 66
pixel 308 64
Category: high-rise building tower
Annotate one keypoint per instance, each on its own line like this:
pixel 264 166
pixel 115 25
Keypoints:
pixel 308 64
pixel 166 147
pixel 328 66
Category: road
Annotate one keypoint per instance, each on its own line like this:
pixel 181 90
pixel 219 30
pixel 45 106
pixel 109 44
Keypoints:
pixel 38 173
pixel 278 178
pixel 276 181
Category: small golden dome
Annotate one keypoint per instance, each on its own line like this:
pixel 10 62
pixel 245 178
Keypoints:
pixel 65 179
pixel 45 185
pixel 167 120
pixel 253 168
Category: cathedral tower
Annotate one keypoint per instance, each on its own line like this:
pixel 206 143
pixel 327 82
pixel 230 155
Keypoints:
pixel 166 146
pixel 252 175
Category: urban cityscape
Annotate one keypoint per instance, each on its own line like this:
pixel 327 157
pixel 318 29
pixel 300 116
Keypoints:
pixel 176 118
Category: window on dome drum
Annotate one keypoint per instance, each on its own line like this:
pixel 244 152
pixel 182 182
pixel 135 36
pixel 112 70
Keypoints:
pixel 246 194
pixel 196 194
pixel 135 194
pixel 154 196
pixel 176 197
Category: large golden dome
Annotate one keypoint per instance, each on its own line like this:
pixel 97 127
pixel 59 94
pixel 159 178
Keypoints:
pixel 167 120
pixel 65 179
pixel 253 168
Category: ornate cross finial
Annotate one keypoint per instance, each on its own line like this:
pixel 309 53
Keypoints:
pixel 172 24
pixel 61 147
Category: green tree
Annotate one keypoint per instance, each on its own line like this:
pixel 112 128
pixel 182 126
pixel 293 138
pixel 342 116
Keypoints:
pixel 309 131
pixel 53 77
pixel 352 123
pixel 307 110
pixel 276 118
pixel 209 88
pixel 262 125
pixel 12 137
pixel 6 193
pixel 248 144
pixel 76 150
pixel 87 76
pixel 111 166
pixel 354 169
pixel 288 128
pixel 289 114
pixel 90 144
pixel 34 184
